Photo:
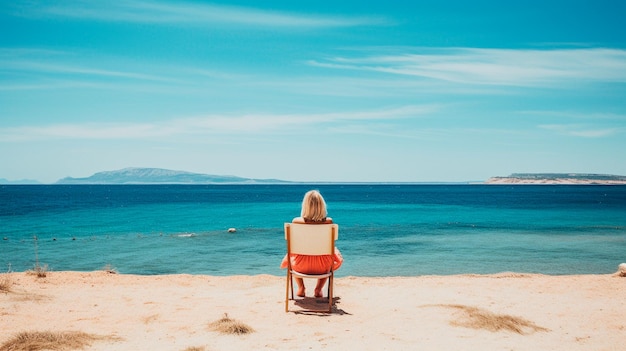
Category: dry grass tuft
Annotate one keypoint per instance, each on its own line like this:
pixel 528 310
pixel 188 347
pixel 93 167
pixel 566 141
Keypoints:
pixel 6 283
pixel 40 271
pixel 477 318
pixel 195 348
pixel 621 270
pixel 109 269
pixel 34 341
pixel 226 325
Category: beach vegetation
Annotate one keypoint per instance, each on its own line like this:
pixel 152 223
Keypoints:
pixel 477 318
pixel 109 269
pixel 47 340
pixel 621 270
pixel 226 325
pixel 41 271
pixel 6 283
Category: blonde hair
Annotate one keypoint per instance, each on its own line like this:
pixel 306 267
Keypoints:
pixel 313 207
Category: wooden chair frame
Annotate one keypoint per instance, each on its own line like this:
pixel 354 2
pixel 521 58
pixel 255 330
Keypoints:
pixel 313 240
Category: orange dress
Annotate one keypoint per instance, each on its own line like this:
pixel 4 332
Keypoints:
pixel 314 264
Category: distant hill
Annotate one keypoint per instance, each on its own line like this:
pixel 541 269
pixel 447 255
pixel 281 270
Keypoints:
pixel 21 181
pixel 161 176
pixel 558 178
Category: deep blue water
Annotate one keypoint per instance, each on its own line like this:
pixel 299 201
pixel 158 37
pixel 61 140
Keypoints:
pixel 385 230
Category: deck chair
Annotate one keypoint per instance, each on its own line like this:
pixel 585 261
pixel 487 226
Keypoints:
pixel 312 240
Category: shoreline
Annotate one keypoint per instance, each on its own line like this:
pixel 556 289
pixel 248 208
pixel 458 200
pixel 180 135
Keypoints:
pixel 174 311
pixel 557 181
pixel 550 182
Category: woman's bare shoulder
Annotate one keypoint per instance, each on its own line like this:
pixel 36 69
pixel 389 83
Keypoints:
pixel 298 220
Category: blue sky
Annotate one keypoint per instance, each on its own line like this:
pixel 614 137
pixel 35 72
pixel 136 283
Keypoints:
pixel 377 91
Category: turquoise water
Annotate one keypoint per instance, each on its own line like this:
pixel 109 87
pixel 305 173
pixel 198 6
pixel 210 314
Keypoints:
pixel 385 230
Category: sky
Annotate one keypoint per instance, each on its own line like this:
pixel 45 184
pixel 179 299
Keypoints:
pixel 337 91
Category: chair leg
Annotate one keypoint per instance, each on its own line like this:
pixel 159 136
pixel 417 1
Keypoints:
pixel 330 280
pixel 330 294
pixel 287 292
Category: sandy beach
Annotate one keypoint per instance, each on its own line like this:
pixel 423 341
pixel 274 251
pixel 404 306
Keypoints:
pixel 505 311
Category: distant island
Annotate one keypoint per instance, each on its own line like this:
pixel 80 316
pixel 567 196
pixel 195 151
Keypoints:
pixel 135 175
pixel 559 178
pixel 161 176
pixel 18 182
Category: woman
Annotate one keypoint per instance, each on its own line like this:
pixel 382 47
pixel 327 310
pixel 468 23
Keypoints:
pixel 313 212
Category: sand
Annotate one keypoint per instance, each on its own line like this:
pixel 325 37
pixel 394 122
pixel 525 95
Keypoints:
pixel 504 311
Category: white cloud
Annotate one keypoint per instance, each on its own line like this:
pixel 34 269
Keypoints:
pixel 513 67
pixel 204 126
pixel 181 12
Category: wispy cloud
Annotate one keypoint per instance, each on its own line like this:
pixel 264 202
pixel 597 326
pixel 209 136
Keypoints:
pixel 580 124
pixel 39 64
pixel 146 11
pixel 51 68
pixel 582 130
pixel 577 115
pixel 253 124
pixel 34 69
pixel 512 67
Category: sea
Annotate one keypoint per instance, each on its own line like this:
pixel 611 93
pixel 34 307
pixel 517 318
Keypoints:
pixel 384 229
